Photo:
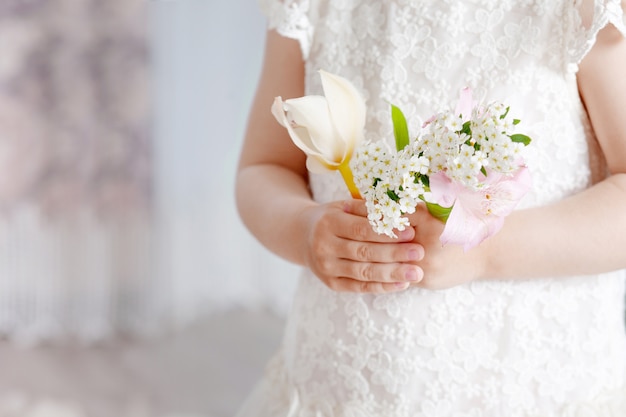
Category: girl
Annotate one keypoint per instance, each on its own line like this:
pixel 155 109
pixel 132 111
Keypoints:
pixel 529 323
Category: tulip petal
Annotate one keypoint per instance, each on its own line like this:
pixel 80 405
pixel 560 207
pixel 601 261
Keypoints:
pixel 317 166
pixel 311 113
pixel 278 111
pixel 347 109
pixel 300 137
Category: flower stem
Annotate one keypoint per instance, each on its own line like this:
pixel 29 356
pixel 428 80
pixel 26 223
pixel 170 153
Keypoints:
pixel 348 178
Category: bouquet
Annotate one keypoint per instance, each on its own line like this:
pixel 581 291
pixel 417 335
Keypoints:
pixel 465 165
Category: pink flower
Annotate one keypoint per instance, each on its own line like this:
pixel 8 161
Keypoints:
pixel 478 214
pixel 465 105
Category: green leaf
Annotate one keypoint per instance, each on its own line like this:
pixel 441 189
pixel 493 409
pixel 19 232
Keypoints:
pixel 438 212
pixel 506 112
pixel 393 195
pixel 467 128
pixel 483 171
pixel 400 129
pixel 519 138
pixel 516 122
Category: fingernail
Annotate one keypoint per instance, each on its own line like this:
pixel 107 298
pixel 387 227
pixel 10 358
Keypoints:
pixel 411 275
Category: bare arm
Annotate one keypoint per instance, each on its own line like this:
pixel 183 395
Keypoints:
pixel 272 180
pixel 587 232
pixel 275 204
pixel 583 234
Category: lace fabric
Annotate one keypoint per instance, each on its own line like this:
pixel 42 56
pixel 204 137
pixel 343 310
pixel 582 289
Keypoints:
pixel 537 348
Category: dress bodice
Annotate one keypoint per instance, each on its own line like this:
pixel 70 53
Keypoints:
pixel 419 54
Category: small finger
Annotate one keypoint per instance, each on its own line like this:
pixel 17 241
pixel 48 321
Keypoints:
pixel 379 272
pixel 356 207
pixel 359 229
pixel 343 284
pixel 380 252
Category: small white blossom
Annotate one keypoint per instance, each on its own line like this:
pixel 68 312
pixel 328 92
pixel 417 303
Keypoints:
pixel 393 183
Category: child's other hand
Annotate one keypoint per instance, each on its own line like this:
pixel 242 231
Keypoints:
pixel 443 266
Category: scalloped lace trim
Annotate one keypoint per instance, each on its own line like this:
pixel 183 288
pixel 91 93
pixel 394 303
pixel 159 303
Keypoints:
pixel 290 19
pixel 605 12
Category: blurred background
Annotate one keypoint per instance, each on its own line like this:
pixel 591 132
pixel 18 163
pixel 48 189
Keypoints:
pixel 128 286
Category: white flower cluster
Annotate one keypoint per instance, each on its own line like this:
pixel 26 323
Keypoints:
pixel 391 184
pixel 464 147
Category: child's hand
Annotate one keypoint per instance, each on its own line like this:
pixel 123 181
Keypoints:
pixel 347 255
pixel 443 266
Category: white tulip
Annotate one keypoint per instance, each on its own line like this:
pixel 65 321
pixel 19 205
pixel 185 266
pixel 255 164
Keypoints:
pixel 327 128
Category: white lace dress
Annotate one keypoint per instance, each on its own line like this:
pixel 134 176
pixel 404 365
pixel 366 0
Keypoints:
pixel 536 348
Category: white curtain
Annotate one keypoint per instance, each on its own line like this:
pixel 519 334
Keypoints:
pixel 208 62
pixel 76 226
pixel 120 125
